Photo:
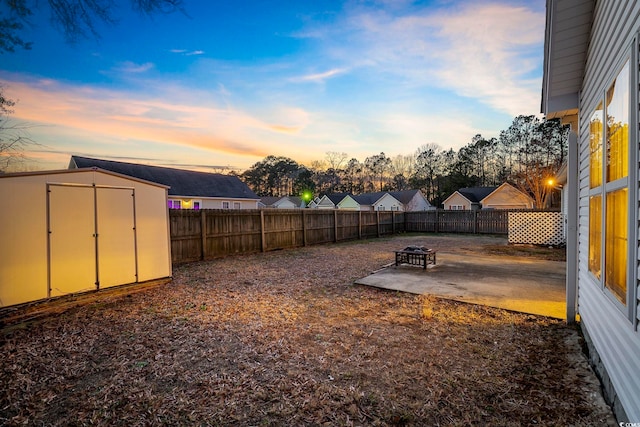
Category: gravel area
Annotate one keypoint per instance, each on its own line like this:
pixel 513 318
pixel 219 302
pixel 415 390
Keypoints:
pixel 286 338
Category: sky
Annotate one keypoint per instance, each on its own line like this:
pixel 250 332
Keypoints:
pixel 222 85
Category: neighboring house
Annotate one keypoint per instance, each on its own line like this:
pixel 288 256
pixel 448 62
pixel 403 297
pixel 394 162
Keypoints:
pixel 187 189
pixel 313 204
pixel 591 68
pixel 561 184
pixel 412 200
pixel 337 201
pixel 507 196
pixel 285 202
pixel 51 247
pixel 380 201
pixel 467 198
pixel 409 200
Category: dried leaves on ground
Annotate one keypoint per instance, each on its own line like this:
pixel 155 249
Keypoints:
pixel 285 338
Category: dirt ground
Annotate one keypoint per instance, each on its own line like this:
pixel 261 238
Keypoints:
pixel 286 338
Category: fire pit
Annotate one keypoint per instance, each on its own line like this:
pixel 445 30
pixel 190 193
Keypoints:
pixel 416 255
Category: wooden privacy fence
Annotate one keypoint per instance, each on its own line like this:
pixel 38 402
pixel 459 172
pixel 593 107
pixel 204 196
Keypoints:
pixel 441 221
pixel 209 233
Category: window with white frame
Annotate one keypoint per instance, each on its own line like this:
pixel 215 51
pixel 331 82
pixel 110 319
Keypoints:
pixel 225 205
pixel 609 187
pixel 456 207
pixel 236 205
pixel 174 204
pixel 197 204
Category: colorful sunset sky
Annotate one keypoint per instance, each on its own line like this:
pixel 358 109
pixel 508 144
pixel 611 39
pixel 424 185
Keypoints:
pixel 224 84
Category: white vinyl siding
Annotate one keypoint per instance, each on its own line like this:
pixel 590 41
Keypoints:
pixel 613 327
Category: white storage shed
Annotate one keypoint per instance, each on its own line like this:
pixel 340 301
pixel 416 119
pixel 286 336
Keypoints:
pixel 72 231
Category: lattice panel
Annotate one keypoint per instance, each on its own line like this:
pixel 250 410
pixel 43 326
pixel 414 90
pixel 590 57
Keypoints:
pixel 537 228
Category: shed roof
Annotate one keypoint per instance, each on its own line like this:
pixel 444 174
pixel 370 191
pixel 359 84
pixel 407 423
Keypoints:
pixel 184 183
pixel 64 172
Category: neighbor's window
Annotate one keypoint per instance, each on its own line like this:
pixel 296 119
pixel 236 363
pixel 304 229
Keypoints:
pixel 236 205
pixel 608 224
pixel 175 204
pixel 225 205
pixel 196 205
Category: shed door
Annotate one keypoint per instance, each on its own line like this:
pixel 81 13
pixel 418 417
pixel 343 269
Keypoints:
pixel 72 261
pixel 116 237
pixel 92 242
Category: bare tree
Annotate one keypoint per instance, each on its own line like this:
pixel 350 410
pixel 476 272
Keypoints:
pixel 335 160
pixel 14 139
pixel 378 165
pixel 540 147
pixel 401 170
pixel 76 19
pixel 428 165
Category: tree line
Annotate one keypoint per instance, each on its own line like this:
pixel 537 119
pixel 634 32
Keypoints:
pixel 526 154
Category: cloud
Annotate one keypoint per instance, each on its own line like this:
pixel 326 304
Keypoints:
pixel 487 51
pixel 132 67
pixel 186 52
pixel 114 115
pixel 320 77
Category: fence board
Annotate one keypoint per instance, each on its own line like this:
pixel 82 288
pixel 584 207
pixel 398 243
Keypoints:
pixel 231 232
pixel 186 236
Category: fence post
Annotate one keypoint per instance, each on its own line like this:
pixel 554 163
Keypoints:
pixel 203 234
pixel 263 245
pixel 378 223
pixel 304 227
pixel 335 225
pixel 436 222
pixel 475 222
pixel 393 222
pixel 360 225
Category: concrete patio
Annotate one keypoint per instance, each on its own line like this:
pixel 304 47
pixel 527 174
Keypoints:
pixel 514 283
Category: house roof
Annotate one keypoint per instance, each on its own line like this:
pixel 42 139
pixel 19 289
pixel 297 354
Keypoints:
pixel 404 196
pixel 183 183
pixel 567 33
pixel 476 194
pixel 272 200
pixel 511 187
pixel 337 198
pixel 369 199
pixel 295 200
pixel 269 200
